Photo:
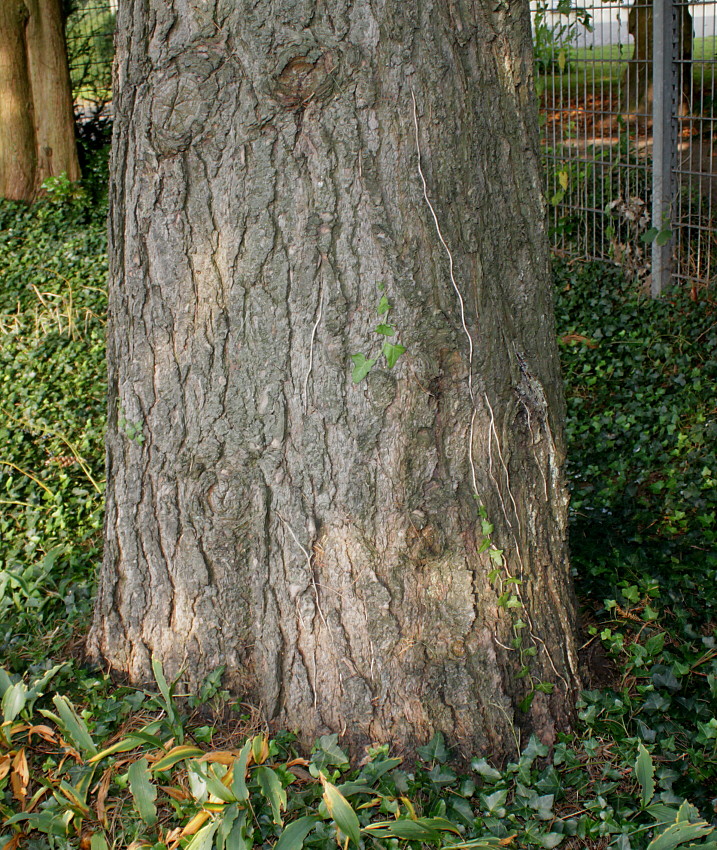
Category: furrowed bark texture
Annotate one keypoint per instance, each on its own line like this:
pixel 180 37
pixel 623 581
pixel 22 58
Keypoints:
pixel 52 92
pixel 37 131
pixel 319 538
pixel 17 133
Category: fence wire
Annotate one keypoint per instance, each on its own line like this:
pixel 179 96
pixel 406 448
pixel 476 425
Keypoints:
pixel 595 67
pixel 602 146
pixel 89 32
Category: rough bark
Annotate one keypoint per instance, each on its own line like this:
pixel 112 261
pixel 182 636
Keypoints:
pixel 52 92
pixel 319 538
pixel 17 131
pixel 37 133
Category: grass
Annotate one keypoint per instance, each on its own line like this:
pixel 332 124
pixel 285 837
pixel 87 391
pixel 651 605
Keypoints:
pixel 87 763
pixel 601 69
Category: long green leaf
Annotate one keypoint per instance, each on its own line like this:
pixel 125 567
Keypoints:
pixel 408 830
pixel 74 726
pixel 143 791
pixel 226 824
pixel 273 790
pixel 340 810
pixel 166 692
pixel 176 754
pixel 13 701
pixel 241 792
pixel 292 838
pixel 123 746
pixel 38 688
pixel 645 772
pixel 144 737
pixel 5 681
pixel 679 833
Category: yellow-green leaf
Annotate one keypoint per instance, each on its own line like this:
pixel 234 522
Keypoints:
pixel 175 755
pixel 341 812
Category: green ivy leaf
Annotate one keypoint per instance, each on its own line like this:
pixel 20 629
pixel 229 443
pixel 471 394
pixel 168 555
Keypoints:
pixel 435 750
pixel 362 366
pixel 386 330
pixel 488 772
pixel 392 352
pixel 328 753
pixel 383 306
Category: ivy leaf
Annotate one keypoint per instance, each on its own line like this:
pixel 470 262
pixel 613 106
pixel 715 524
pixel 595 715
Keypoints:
pixel 386 330
pixel 488 772
pixel 328 753
pixel 383 306
pixel 435 750
pixel 362 366
pixel 392 352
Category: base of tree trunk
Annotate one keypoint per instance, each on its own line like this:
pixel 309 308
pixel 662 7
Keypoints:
pixel 382 558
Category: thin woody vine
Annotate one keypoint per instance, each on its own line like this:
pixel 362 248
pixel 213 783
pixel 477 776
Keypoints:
pixel 507 585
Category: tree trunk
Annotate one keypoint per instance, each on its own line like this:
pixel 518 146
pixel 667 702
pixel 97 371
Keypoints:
pixel 52 92
pixel 319 537
pixel 17 126
pixel 37 134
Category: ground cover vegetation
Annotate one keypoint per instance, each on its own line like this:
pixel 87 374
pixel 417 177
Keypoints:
pixel 85 762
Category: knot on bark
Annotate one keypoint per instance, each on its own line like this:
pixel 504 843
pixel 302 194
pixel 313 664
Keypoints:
pixel 302 80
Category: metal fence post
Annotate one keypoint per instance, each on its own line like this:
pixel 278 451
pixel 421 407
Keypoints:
pixel 664 140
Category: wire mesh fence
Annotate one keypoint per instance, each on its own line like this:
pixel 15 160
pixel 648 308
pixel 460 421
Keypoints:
pixel 628 129
pixel 628 112
pixel 89 32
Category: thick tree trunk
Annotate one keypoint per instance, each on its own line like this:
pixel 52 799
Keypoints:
pixel 17 128
pixel 37 133
pixel 52 92
pixel 320 538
